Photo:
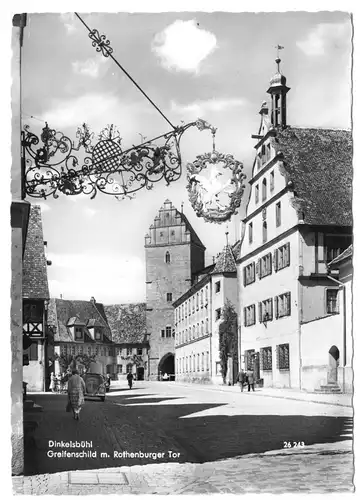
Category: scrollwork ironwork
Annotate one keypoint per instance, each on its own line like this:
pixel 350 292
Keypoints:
pixel 51 166
pixel 100 42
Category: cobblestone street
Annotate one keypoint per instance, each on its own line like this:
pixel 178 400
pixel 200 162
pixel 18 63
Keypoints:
pixel 230 442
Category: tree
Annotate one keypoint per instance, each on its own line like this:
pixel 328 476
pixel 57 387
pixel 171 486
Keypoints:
pixel 67 360
pixel 228 336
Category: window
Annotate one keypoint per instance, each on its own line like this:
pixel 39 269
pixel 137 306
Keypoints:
pixel 278 214
pixel 168 332
pixel 139 351
pixel 207 360
pixel 169 299
pixel 202 328
pixel 249 274
pixel 198 362
pixel 207 325
pixel 332 305
pixel 264 190
pixel 249 315
pixel 119 368
pixel 97 334
pixel 266 310
pixel 202 298
pixel 268 152
pixel 217 287
pixel 162 333
pixel 266 359
pixel 218 314
pixel 129 368
pixel 250 232
pixel 167 256
pixel 283 305
pixel 263 154
pixel 202 361
pixel 197 301
pixel 96 351
pixel 129 351
pixel 63 349
pixel 257 193
pixel 264 232
pixel 272 181
pixel 282 257
pixel 172 233
pixel 249 356
pixel 33 352
pixel 78 333
pixel 73 350
pixel 161 234
pixel 265 265
pixel 282 358
pixel 193 304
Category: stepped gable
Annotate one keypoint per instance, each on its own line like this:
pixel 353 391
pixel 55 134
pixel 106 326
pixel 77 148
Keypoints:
pixel 127 322
pixel 346 254
pixel 319 164
pixel 35 280
pixel 64 314
pixel 226 262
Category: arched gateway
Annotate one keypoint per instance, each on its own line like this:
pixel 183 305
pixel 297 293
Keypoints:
pixel 167 365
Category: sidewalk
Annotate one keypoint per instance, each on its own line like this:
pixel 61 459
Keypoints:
pixel 294 394
pixel 320 468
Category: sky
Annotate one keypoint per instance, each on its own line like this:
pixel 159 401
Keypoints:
pixel 216 66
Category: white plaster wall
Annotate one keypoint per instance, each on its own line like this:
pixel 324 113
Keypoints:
pixel 278 331
pixel 317 337
pixel 33 374
pixel 196 347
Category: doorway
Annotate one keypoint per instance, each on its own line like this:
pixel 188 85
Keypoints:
pixel 334 355
pixel 140 373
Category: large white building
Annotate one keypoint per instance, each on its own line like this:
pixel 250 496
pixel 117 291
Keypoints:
pixel 198 314
pixel 298 219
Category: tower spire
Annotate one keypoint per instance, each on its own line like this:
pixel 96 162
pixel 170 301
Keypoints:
pixel 278 91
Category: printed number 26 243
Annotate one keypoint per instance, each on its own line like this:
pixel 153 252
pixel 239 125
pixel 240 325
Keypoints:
pixel 294 444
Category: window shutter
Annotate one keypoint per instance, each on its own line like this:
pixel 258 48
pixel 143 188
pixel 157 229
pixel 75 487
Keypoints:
pixel 275 260
pixel 261 358
pixel 271 309
pixel 245 319
pixel 260 315
pixel 287 254
pixel 258 267
pixel 254 311
pixel 277 356
pixel 270 263
pixel 288 296
pixel 244 275
pixel 276 299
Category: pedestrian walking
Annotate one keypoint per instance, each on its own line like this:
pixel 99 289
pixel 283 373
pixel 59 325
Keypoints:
pixel 52 382
pixel 241 379
pixel 76 391
pixel 250 380
pixel 130 378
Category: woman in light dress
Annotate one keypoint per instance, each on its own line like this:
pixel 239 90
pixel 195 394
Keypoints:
pixel 76 391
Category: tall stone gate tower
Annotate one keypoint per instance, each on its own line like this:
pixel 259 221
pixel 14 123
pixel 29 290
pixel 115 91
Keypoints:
pixel 173 253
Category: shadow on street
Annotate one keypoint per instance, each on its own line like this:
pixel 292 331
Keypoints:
pixel 149 428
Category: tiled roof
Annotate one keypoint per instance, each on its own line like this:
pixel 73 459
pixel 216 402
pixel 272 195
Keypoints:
pixel 346 254
pixel 35 281
pixel 127 322
pixel 319 164
pixel 225 262
pixel 60 311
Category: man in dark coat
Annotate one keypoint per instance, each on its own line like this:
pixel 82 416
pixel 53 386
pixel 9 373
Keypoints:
pixel 250 380
pixel 242 379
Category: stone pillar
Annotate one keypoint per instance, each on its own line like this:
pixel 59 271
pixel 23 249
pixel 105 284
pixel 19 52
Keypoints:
pixel 19 219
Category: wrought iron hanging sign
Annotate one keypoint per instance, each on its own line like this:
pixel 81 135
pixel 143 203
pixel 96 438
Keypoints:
pixel 217 195
pixel 51 167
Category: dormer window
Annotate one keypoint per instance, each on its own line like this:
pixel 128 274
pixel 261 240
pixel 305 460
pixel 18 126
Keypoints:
pixel 98 334
pixel 79 333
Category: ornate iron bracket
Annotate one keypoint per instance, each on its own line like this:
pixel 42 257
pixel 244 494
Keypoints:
pixel 51 166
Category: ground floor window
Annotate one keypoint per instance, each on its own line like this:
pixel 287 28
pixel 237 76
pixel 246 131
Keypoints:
pixel 119 368
pixel 249 359
pixel 218 368
pixel 266 358
pixel 207 360
pixel 129 368
pixel 332 306
pixel 283 359
pixel 202 362
pixel 168 331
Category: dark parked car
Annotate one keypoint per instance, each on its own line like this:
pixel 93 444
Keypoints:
pixel 94 386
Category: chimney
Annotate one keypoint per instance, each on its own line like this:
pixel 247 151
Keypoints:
pixel 92 300
pixel 60 295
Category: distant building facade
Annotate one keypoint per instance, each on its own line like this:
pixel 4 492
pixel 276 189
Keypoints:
pixel 112 335
pixel 35 302
pixel 173 255
pixel 197 315
pixel 298 219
